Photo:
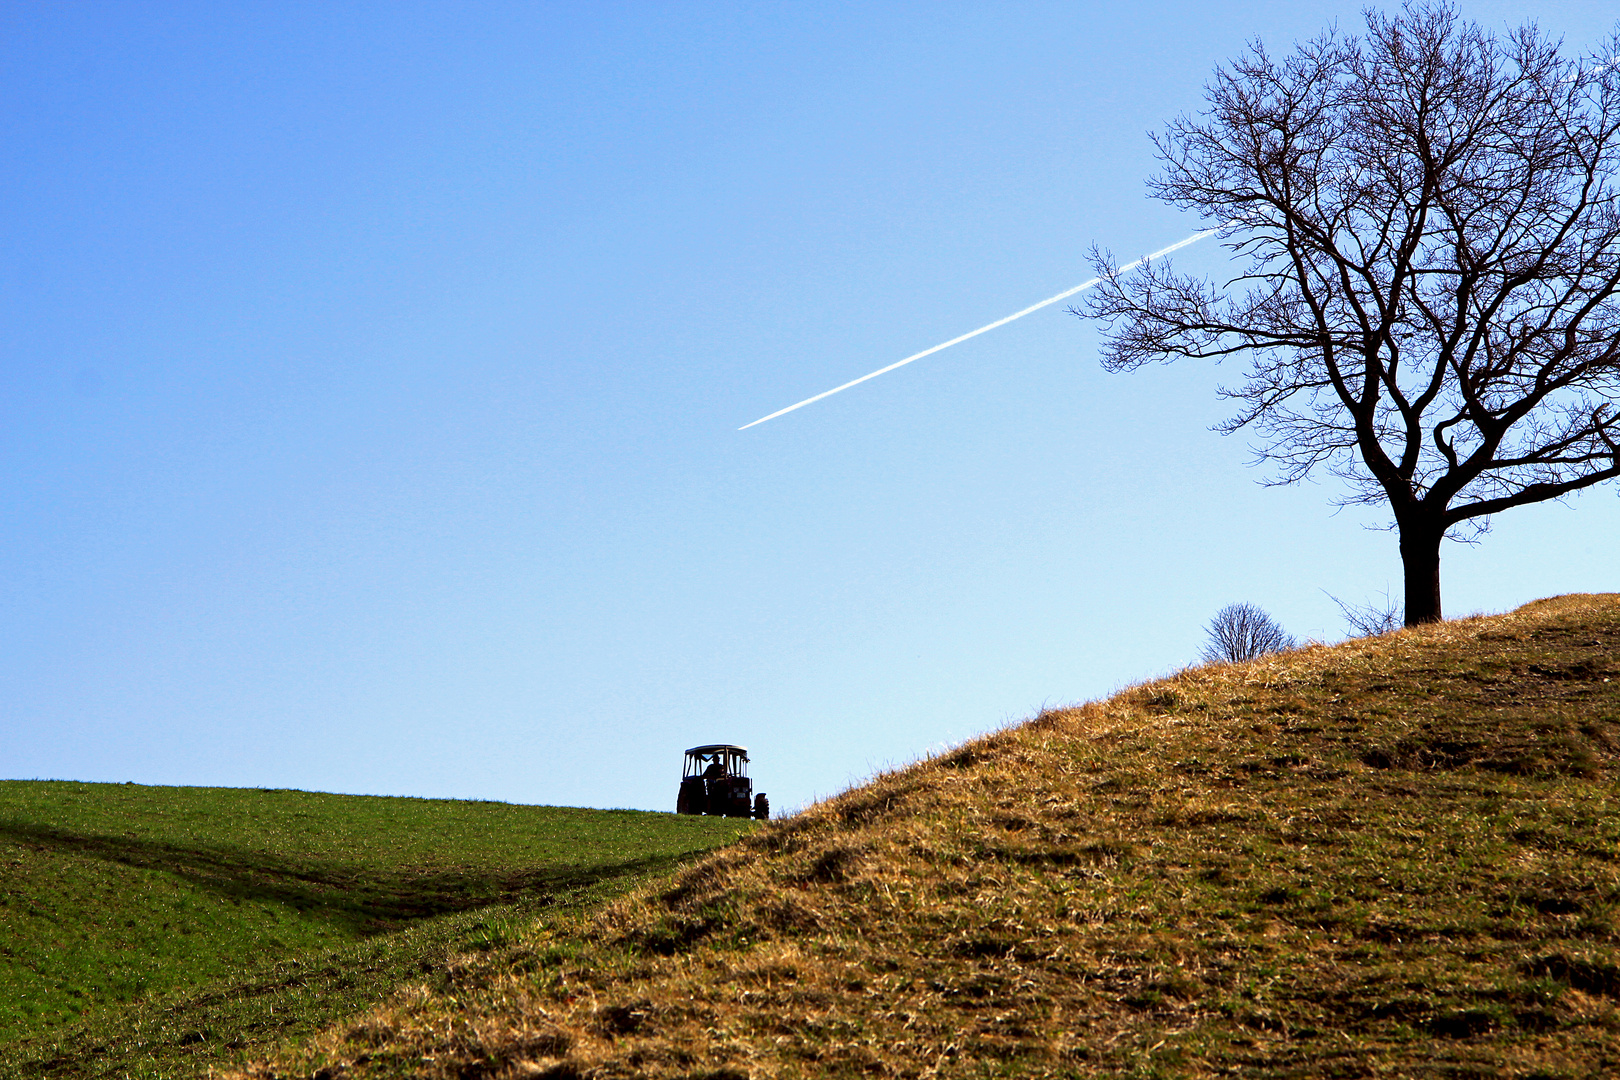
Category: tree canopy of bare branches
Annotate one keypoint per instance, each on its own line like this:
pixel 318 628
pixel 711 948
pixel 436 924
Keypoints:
pixel 1243 632
pixel 1427 226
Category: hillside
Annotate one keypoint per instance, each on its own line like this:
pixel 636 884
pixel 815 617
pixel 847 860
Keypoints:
pixel 158 930
pixel 1396 856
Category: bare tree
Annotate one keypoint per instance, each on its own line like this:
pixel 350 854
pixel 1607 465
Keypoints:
pixel 1427 226
pixel 1373 618
pixel 1243 632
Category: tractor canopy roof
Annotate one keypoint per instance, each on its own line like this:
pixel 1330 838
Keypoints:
pixel 716 747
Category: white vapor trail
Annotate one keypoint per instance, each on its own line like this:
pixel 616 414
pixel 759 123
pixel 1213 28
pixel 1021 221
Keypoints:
pixel 1178 245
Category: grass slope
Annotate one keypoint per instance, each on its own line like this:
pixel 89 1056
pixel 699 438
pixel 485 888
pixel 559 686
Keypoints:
pixel 151 930
pixel 1394 856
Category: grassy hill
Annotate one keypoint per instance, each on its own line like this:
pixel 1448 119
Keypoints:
pixel 152 931
pixel 1396 856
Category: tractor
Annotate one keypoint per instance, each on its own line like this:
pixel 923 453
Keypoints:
pixel 715 781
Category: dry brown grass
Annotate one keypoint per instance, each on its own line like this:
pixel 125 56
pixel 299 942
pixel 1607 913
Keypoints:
pixel 1396 856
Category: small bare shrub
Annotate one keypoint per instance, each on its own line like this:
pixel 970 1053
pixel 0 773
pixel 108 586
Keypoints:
pixel 1243 632
pixel 1372 618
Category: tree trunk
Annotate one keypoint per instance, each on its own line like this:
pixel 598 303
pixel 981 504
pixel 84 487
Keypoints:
pixel 1420 552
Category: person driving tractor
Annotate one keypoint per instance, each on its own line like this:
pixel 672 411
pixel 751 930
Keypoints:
pixel 714 780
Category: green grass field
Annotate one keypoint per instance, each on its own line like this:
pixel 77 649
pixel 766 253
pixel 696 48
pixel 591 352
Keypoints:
pixel 153 931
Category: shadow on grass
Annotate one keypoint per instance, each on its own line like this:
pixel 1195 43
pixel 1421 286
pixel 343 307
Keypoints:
pixel 362 900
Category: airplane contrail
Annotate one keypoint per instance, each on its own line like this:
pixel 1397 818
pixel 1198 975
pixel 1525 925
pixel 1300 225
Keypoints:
pixel 1178 245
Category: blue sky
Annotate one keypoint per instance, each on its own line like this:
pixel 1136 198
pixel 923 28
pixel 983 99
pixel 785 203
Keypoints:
pixel 370 377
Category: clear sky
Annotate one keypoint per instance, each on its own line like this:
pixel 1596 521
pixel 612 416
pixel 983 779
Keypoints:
pixel 370 378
